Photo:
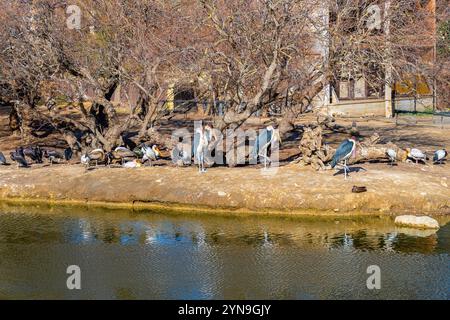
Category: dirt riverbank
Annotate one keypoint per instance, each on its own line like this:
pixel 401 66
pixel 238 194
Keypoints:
pixel 406 188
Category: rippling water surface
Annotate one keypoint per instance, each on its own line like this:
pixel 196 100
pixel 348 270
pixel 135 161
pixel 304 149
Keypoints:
pixel 151 255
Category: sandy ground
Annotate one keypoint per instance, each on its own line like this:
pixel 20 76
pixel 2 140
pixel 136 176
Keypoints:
pixel 406 188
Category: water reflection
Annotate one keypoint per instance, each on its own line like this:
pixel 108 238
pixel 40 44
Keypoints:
pixel 155 255
pixel 163 230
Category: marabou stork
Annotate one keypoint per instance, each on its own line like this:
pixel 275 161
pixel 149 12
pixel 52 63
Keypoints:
pixel 439 156
pixel 417 155
pixel 265 139
pixel 343 153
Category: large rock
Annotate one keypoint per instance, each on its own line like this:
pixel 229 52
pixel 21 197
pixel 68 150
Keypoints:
pixel 422 222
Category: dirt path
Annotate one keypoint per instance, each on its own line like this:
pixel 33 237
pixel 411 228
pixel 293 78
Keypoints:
pixel 407 188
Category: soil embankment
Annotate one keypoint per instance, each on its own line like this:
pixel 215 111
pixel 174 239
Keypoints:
pixel 407 188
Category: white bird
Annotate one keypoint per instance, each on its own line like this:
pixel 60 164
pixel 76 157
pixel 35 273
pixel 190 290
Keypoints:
pixel 417 155
pixel 201 143
pixel 392 155
pixel 132 164
pixel 439 156
pixel 85 160
pixel 150 154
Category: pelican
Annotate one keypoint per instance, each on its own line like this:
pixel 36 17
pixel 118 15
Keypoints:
pixel 392 155
pixel 2 159
pixel 132 164
pixel 150 154
pixel 95 155
pixel 201 143
pixel 343 153
pixel 439 156
pixel 417 155
pixel 123 154
pixel 262 143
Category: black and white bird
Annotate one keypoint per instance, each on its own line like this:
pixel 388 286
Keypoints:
pixel 392 155
pixel 2 159
pixel 150 154
pixel 439 156
pixel 343 153
pixel 265 140
pixel 417 155
pixel 53 156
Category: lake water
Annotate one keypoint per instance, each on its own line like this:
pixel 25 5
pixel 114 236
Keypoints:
pixel 155 255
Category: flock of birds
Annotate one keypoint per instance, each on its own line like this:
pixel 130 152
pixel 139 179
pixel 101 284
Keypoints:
pixel 347 149
pixel 202 138
pixel 127 158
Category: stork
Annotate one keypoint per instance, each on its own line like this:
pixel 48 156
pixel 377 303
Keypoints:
pixel 150 154
pixel 201 143
pixel 267 137
pixel 343 153
pixel 392 155
pixel 439 156
pixel 417 155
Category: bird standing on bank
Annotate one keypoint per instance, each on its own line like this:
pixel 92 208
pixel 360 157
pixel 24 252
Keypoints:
pixel 150 154
pixel 201 143
pixel 96 155
pixel 439 156
pixel 343 153
pixel 2 159
pixel 392 155
pixel 19 157
pixel 68 153
pixel 265 139
pixel 53 156
pixel 417 155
